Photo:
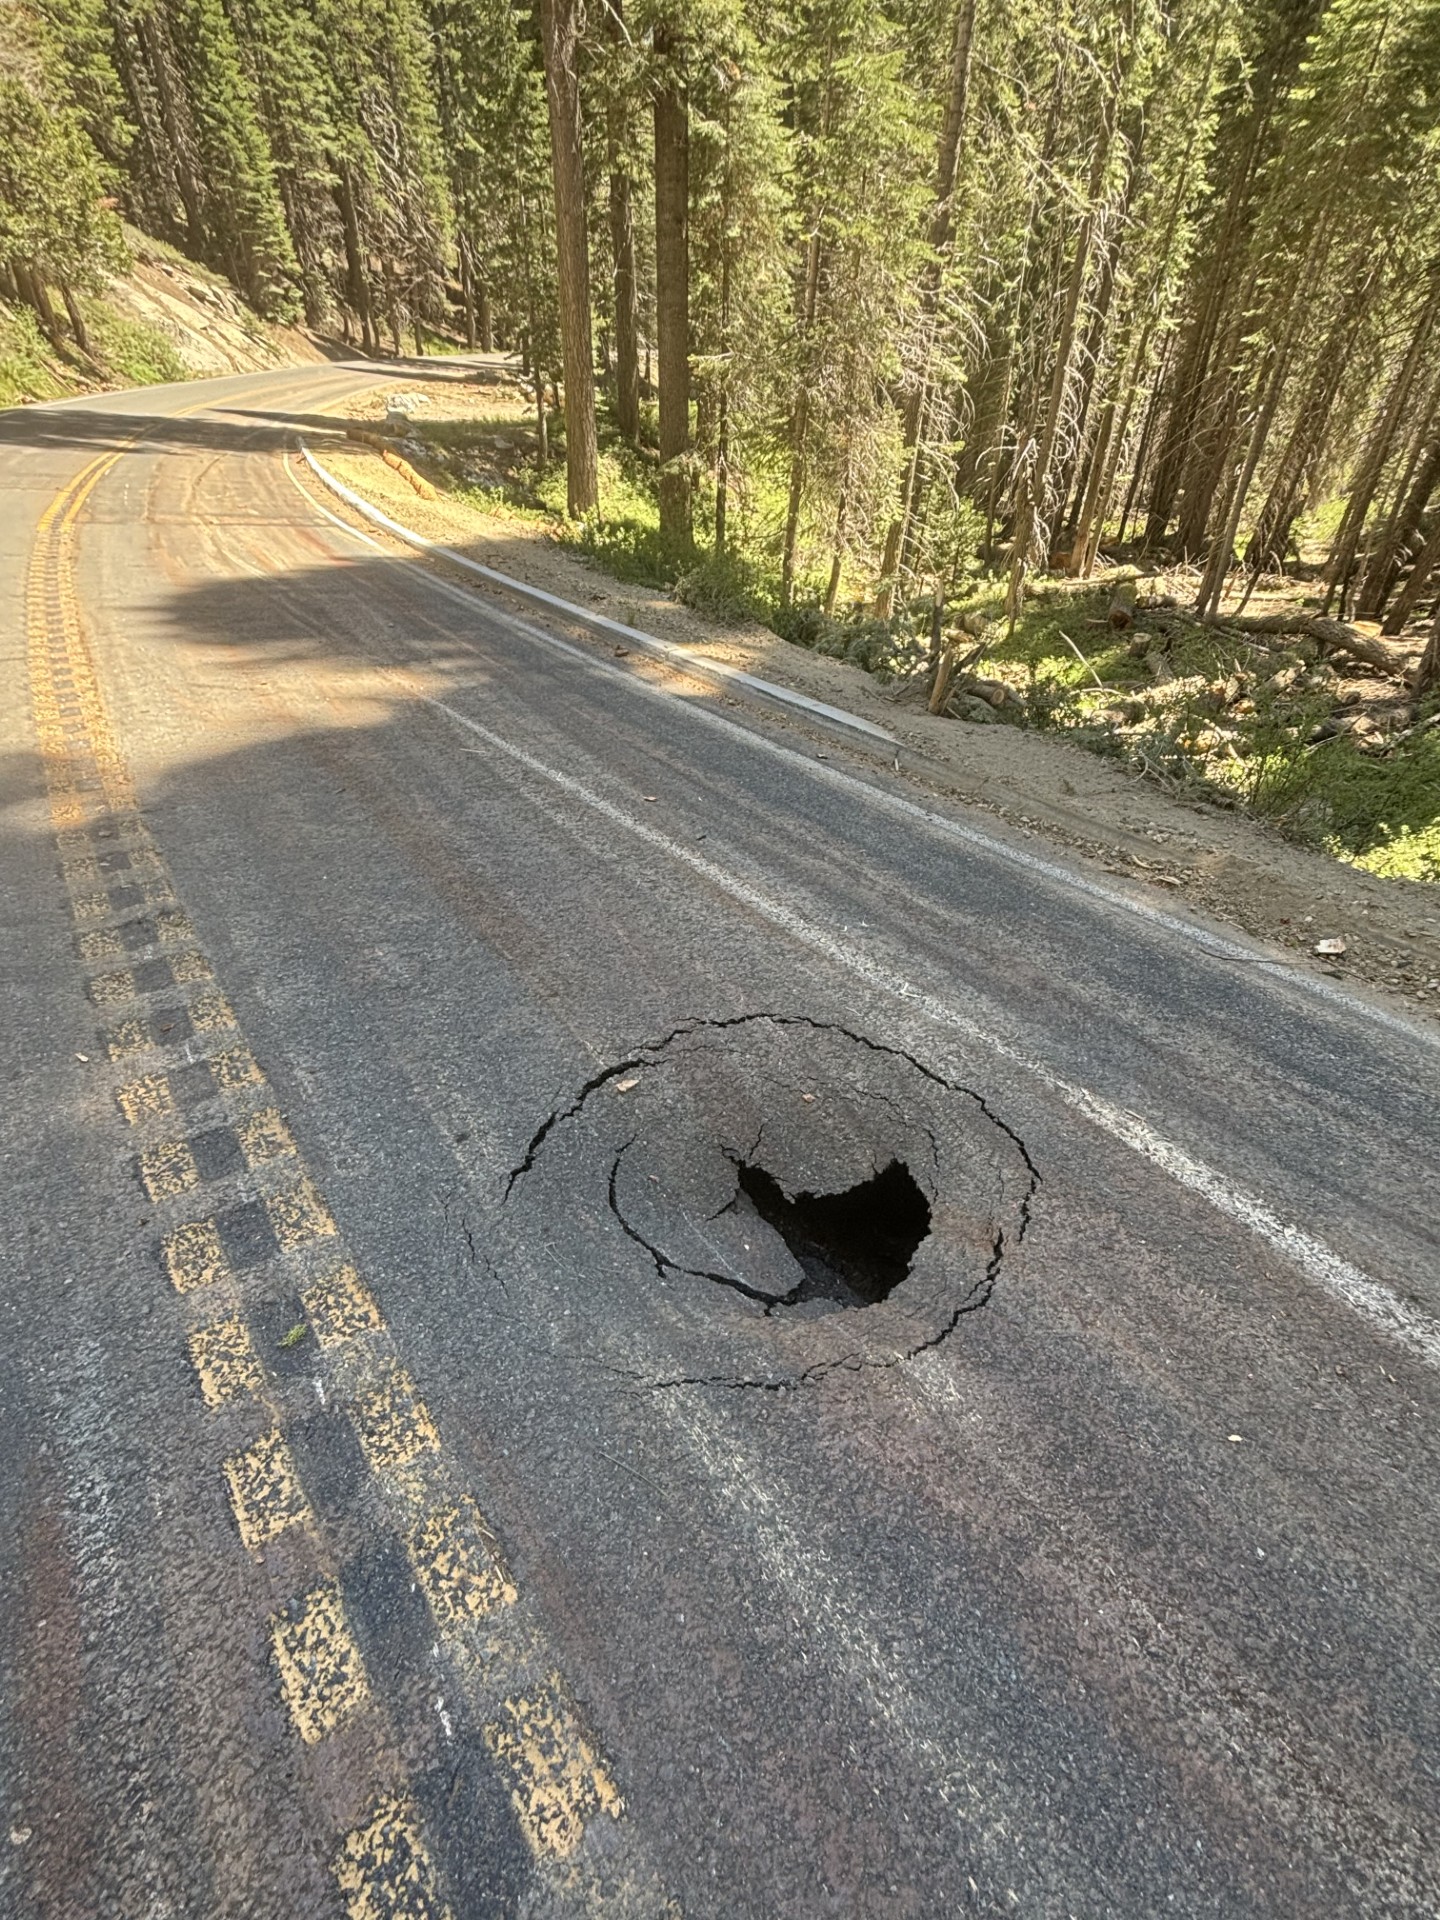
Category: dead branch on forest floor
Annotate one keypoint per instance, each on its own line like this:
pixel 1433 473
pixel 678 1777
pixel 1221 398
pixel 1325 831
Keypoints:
pixel 1335 636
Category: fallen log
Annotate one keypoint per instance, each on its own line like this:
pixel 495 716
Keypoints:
pixel 1335 636
pixel 406 472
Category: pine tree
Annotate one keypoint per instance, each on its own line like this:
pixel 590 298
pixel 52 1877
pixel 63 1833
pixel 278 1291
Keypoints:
pixel 488 107
pixel 558 28
pixel 285 63
pixel 859 185
pixel 245 232
pixel 672 274
pixel 387 163
pixel 738 259
pixel 56 227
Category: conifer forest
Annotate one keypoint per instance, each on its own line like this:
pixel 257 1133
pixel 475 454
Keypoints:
pixel 884 294
pixel 720 959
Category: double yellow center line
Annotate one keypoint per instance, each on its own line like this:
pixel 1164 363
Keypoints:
pixel 237 1209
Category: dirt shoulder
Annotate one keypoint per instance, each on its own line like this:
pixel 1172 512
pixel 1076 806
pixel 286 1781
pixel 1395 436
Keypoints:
pixel 1231 867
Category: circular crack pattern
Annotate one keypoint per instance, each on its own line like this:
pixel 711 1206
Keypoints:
pixel 759 1200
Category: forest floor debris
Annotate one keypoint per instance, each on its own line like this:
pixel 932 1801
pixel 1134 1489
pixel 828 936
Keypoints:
pixel 1219 768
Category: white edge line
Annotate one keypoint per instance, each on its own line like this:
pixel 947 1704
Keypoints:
pixel 676 656
pixel 1208 940
pixel 1346 1282
pixel 1321 1264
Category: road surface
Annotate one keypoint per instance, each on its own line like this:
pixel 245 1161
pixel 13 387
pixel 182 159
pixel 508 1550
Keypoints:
pixel 610 1312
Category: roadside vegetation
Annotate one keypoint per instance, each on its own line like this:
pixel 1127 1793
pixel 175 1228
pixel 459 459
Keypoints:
pixel 1332 749
pixel 119 352
pixel 835 315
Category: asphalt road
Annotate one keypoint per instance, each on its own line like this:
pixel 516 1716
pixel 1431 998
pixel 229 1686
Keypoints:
pixel 452 1467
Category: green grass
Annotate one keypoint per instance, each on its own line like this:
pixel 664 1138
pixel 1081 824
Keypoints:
pixel 1233 725
pixel 133 354
pixel 1404 855
pixel 26 370
pixel 623 537
pixel 122 352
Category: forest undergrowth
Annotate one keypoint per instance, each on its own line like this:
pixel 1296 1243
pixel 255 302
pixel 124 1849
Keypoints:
pixel 1332 752
pixel 154 316
pixel 120 353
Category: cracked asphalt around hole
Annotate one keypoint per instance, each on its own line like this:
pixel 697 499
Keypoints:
pixel 437 1482
pixel 659 1147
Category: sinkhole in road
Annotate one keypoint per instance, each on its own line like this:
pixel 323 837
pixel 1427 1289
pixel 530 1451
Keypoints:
pixel 853 1247
pixel 759 1199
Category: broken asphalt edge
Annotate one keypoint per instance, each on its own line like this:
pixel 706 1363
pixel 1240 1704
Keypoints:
pixel 648 642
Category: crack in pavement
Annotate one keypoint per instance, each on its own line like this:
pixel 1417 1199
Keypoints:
pixel 455 1217
pixel 649 1055
pixel 663 1265
pixel 851 1362
pixel 652 1049
pixel 556 1117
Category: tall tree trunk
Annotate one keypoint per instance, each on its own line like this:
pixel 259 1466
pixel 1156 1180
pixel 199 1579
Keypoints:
pixel 1200 389
pixel 1413 591
pixel 1041 269
pixel 672 281
pixel 1214 422
pixel 1095 511
pixel 1217 563
pixel 392 306
pixel 799 433
pixel 467 293
pixel 559 32
pixel 1095 508
pixel 622 247
pixel 1270 541
pixel 1032 527
pixel 991 383
pixel 942 221
pixel 1081 556
pixel 150 161
pixel 542 428
pixel 357 281
pixel 799 429
pixel 1078 468
pixel 77 318
pixel 1154 406
pixel 994 464
pixel 1191 395
pixel 1427 674
pixel 31 282
pixel 1377 451
pixel 898 535
pixel 1403 524
pixel 722 475
pixel 1217 452
pixel 837 559
pixel 722 399
pixel 157 59
pixel 627 328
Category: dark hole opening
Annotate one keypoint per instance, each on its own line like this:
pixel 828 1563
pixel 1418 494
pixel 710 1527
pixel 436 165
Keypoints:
pixel 854 1247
